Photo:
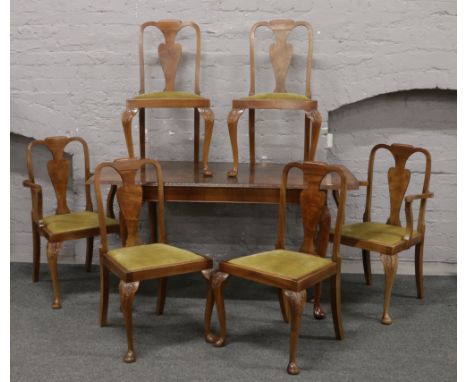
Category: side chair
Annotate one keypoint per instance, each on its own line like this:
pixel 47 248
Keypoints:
pixel 170 54
pixel 390 238
pixel 64 224
pixel 281 53
pixel 291 272
pixel 135 261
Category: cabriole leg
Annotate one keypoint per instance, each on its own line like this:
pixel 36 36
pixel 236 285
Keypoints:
pixel 233 119
pixel 296 301
pixel 127 295
pixel 390 264
pixel 53 250
pixel 208 116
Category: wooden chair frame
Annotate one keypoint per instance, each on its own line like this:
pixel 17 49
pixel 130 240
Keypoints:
pixel 398 181
pixel 170 53
pixel 280 54
pixel 58 169
pixel 292 293
pixel 130 197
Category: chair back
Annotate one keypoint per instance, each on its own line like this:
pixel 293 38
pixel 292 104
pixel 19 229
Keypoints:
pixel 316 218
pixel 59 169
pixel 398 180
pixel 130 198
pixel 281 52
pixel 170 52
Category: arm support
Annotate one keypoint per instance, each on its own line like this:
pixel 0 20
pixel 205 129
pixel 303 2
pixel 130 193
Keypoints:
pixel 409 211
pixel 36 196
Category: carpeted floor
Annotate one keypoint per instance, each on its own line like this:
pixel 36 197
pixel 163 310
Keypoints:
pixel 68 344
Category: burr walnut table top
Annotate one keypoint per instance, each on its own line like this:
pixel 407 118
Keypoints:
pixel 260 183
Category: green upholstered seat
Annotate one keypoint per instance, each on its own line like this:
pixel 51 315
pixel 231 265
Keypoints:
pixel 283 263
pixel 278 96
pixel 384 234
pixel 75 221
pixel 168 95
pixel 151 256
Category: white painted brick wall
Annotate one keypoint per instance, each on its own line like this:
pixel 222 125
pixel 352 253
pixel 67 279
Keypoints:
pixel 73 64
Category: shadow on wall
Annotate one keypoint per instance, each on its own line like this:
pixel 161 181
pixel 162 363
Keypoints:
pixel 425 118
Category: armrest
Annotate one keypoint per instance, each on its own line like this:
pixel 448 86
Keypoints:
pixel 411 198
pixel 33 186
pixel 36 196
pixel 363 183
pixel 409 211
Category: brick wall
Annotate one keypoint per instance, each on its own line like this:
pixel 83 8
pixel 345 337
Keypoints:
pixel 73 64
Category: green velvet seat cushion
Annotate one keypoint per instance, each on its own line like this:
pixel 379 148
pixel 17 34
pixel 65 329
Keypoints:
pixel 278 96
pixel 385 234
pixel 168 95
pixel 283 263
pixel 151 256
pixel 75 221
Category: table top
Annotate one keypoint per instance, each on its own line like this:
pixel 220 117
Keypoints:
pixel 259 176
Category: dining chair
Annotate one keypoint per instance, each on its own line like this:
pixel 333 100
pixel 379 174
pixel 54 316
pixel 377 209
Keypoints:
pixel 281 53
pixel 291 272
pixel 170 54
pixel 135 261
pixel 390 238
pixel 64 225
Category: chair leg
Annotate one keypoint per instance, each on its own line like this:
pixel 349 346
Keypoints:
pixel 285 312
pixel 126 118
pixel 319 313
pixel 161 296
pixel 89 253
pixel 366 262
pixel 127 294
pixel 104 301
pixel 390 264
pixel 218 282
pixel 233 119
pixel 36 253
pixel 153 220
pixel 53 250
pixel 208 116
pixel 419 252
pixel 336 305
pixel 296 301
pixel 209 336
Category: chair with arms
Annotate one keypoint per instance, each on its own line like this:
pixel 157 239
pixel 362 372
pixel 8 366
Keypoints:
pixel 170 53
pixel 391 238
pixel 136 261
pixel 64 225
pixel 281 53
pixel 291 272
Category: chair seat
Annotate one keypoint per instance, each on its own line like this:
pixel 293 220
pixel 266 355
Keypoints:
pixel 73 222
pixel 152 256
pixel 277 96
pixel 282 263
pixel 385 238
pixel 168 95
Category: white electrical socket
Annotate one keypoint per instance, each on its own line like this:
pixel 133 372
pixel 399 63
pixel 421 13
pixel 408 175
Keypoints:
pixel 329 141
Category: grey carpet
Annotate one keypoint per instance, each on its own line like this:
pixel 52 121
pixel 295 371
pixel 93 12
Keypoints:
pixel 68 345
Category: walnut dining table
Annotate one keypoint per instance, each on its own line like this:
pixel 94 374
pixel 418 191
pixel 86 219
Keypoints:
pixel 259 183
